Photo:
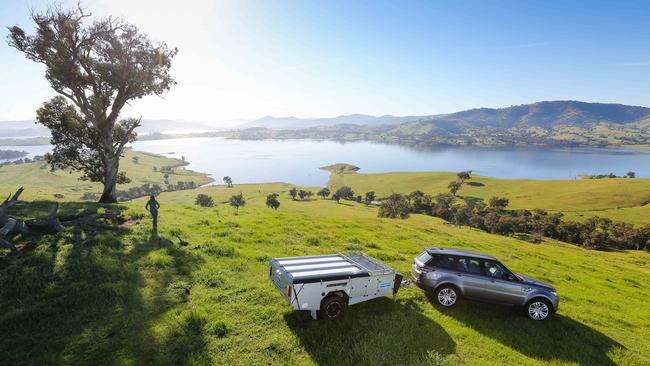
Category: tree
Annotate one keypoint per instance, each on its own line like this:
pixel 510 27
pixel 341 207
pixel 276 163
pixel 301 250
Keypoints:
pixel 454 186
pixel 370 196
pixel 336 197
pixel 293 192
pixel 227 181
pixel 99 66
pixel 135 160
pixel 499 203
pixel 395 206
pixel 204 200
pixel 302 194
pixel 345 193
pixel 309 194
pixel 631 174
pixel 325 192
pixel 463 176
pixel 272 201
pixel 237 201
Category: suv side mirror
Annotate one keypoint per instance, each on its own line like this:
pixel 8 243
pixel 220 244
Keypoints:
pixel 511 277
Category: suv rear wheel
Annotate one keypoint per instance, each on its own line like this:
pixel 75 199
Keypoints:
pixel 539 309
pixel 447 295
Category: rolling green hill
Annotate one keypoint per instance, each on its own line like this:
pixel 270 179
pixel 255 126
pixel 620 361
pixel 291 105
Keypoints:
pixel 619 198
pixel 119 296
pixel 122 300
pixel 43 183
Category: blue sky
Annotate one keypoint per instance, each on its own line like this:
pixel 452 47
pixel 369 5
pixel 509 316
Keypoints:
pixel 247 59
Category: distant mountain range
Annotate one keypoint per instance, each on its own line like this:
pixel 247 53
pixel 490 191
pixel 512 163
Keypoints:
pixel 565 123
pixel 352 119
pixel 542 114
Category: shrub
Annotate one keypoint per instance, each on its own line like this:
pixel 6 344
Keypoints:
pixel 204 200
pixel 272 201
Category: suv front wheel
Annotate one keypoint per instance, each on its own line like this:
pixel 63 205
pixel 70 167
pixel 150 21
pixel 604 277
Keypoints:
pixel 539 309
pixel 447 295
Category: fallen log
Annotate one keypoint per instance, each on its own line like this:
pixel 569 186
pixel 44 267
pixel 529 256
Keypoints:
pixel 52 224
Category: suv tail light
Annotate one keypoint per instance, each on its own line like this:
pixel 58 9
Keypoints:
pixel 426 270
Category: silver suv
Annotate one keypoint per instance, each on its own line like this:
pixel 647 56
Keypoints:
pixel 452 273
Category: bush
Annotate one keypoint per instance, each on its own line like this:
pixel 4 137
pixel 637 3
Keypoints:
pixel 272 201
pixel 204 200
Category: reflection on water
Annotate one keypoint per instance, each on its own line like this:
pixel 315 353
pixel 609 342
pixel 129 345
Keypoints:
pixel 297 161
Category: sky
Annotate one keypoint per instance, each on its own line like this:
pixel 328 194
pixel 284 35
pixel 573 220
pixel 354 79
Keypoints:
pixel 248 59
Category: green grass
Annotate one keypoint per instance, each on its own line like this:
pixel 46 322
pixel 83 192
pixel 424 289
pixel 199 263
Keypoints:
pixel 125 299
pixel 622 199
pixel 41 183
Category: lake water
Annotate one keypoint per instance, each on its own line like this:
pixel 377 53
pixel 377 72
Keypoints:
pixel 297 161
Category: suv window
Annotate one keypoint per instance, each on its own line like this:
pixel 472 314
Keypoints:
pixel 443 261
pixel 469 265
pixel 495 269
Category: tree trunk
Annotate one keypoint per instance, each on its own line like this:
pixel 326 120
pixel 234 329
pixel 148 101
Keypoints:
pixel 111 166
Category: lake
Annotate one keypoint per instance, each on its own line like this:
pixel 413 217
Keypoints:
pixel 297 161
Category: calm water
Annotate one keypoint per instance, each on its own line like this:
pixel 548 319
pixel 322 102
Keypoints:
pixel 298 161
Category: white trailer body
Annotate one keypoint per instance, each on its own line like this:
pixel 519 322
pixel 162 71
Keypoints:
pixel 306 282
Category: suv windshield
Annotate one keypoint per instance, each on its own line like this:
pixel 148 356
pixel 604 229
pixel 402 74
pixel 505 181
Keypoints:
pixel 424 257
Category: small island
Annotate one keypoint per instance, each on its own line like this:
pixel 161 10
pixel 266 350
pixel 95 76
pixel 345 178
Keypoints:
pixel 341 168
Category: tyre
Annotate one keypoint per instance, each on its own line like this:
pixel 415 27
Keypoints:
pixel 333 307
pixel 447 295
pixel 539 309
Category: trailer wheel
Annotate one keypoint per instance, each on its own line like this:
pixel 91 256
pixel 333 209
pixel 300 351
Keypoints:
pixel 333 307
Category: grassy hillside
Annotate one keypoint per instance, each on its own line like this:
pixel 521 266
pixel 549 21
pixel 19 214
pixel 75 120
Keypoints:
pixel 621 199
pixel 43 183
pixel 122 299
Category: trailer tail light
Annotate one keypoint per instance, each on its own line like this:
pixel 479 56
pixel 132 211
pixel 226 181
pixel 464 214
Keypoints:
pixel 270 270
pixel 289 291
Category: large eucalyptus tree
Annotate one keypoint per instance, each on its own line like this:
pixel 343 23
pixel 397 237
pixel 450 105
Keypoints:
pixel 97 66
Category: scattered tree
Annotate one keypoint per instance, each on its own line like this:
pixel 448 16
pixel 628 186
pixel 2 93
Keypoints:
pixel 454 186
pixel 463 176
pixel 345 193
pixel 204 200
pixel 336 197
pixel 325 192
pixel 370 196
pixel 302 194
pixel 227 181
pixel 293 192
pixel 99 67
pixel 499 203
pixel 631 174
pixel 237 201
pixel 395 206
pixel 272 201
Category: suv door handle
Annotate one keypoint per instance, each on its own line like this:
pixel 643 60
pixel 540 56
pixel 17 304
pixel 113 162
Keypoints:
pixel 458 274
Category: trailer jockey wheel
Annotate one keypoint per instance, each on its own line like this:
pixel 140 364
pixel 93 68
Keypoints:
pixel 333 307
